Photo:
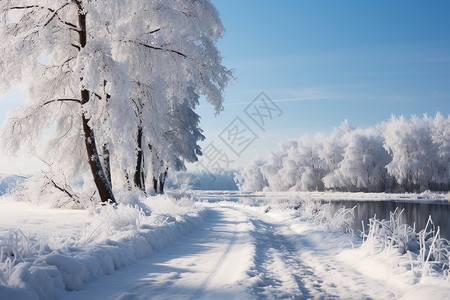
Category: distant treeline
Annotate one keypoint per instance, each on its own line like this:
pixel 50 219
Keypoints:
pixel 400 155
pixel 203 180
pixel 10 183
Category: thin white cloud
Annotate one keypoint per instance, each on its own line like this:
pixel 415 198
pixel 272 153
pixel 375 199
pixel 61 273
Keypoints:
pixel 306 98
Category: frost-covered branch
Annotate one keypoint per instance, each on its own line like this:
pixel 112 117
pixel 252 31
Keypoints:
pixel 64 189
pixel 29 7
pixel 55 14
pixel 158 48
pixel 61 100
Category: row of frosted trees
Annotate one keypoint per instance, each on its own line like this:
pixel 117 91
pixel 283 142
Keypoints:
pixel 400 155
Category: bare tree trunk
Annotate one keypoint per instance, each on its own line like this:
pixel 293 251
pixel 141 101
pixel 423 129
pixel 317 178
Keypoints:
pixel 162 181
pixel 105 147
pixel 139 179
pixel 127 179
pixel 106 162
pixel 155 185
pixel 101 181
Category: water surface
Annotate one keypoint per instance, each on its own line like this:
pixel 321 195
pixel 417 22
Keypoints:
pixel 414 214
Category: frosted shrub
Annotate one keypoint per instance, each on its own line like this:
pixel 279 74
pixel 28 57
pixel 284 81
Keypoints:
pixel 166 206
pixel 316 211
pixel 434 251
pixel 122 217
pixel 320 213
pixel 427 250
pixel 133 198
pixel 390 234
pixel 16 248
pixel 342 220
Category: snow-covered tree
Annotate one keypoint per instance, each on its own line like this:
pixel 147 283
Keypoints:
pixel 441 138
pixel 398 155
pixel 168 81
pixel 331 152
pixel 299 168
pixel 121 78
pixel 363 167
pixel 251 179
pixel 417 147
pixel 297 165
pixel 61 58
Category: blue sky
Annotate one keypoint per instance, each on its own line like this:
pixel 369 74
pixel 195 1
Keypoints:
pixel 355 60
pixel 327 61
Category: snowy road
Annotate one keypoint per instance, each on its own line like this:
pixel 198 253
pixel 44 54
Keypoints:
pixel 240 253
pixel 207 263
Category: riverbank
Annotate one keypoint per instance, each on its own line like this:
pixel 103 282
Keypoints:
pixel 425 197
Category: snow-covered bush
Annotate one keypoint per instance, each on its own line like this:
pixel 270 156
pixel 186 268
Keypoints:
pixel 434 250
pixel 390 234
pixel 122 217
pixel 321 214
pixel 15 249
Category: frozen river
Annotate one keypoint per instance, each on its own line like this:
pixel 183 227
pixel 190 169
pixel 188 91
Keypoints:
pixel 414 212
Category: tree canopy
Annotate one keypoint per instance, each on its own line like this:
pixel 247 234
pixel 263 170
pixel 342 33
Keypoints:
pixel 116 81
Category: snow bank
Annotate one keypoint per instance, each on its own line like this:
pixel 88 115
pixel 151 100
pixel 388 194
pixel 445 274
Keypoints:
pixel 41 265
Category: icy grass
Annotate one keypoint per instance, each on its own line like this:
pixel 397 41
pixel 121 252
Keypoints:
pixel 321 214
pixel 428 253
pixel 425 253
pixel 43 266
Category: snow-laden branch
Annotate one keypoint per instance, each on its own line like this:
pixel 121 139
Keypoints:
pixel 54 15
pixel 157 48
pixel 61 100
pixel 31 6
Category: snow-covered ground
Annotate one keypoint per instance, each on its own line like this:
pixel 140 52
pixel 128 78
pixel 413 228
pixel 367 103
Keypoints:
pixel 221 246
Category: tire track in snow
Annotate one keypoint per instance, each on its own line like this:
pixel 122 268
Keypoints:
pixel 317 271
pixel 220 267
pixel 278 271
pixel 339 277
